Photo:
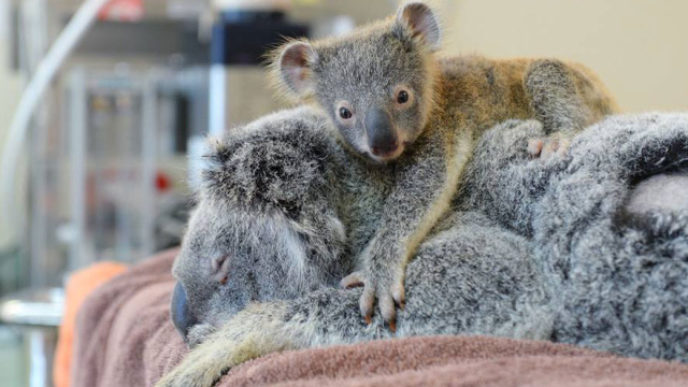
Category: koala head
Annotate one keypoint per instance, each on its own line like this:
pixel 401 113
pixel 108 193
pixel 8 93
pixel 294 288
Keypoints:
pixel 376 84
pixel 264 227
pixel 229 258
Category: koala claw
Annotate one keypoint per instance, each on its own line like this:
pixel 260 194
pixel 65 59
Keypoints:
pixel 399 295
pixel 388 309
pixel 366 302
pixel 353 280
pixel 388 300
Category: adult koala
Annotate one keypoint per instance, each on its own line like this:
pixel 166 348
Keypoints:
pixel 282 211
pixel 476 274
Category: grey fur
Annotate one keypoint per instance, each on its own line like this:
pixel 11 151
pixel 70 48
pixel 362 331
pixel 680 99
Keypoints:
pixel 562 100
pixel 659 193
pixel 618 278
pixel 532 249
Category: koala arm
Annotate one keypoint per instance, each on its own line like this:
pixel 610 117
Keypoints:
pixel 251 333
pixel 268 327
pixel 425 185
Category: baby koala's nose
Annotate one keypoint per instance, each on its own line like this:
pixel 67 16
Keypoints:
pixel 385 149
pixel 382 138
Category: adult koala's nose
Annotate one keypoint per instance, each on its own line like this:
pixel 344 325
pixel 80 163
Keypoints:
pixel 182 318
pixel 383 140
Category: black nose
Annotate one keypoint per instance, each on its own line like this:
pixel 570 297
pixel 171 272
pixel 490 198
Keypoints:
pixel 382 138
pixel 181 317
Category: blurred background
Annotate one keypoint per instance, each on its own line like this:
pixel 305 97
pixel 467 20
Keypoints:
pixel 112 152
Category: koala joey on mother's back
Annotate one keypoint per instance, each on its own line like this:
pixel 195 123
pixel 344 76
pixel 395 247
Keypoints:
pixel 395 102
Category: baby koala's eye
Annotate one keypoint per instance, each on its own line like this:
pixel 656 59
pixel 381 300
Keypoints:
pixel 345 113
pixel 402 97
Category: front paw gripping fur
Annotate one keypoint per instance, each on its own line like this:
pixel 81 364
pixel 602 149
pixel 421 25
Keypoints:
pixel 387 289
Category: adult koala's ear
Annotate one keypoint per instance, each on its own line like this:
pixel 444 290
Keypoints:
pixel 292 66
pixel 422 22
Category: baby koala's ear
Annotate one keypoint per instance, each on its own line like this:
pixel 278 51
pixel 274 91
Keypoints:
pixel 293 64
pixel 422 21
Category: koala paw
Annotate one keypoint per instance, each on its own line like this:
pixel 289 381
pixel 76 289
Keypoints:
pixel 545 148
pixel 389 295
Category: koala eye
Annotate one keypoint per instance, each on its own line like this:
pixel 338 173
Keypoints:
pixel 402 97
pixel 345 113
pixel 220 268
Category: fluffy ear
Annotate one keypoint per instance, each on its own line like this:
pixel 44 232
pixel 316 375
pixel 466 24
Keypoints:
pixel 421 20
pixel 293 67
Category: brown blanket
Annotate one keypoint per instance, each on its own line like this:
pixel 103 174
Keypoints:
pixel 124 337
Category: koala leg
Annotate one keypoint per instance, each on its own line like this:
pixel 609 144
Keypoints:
pixel 559 103
pixel 268 327
pixel 554 97
pixel 252 333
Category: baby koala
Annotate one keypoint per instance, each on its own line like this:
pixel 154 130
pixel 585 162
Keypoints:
pixel 398 105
